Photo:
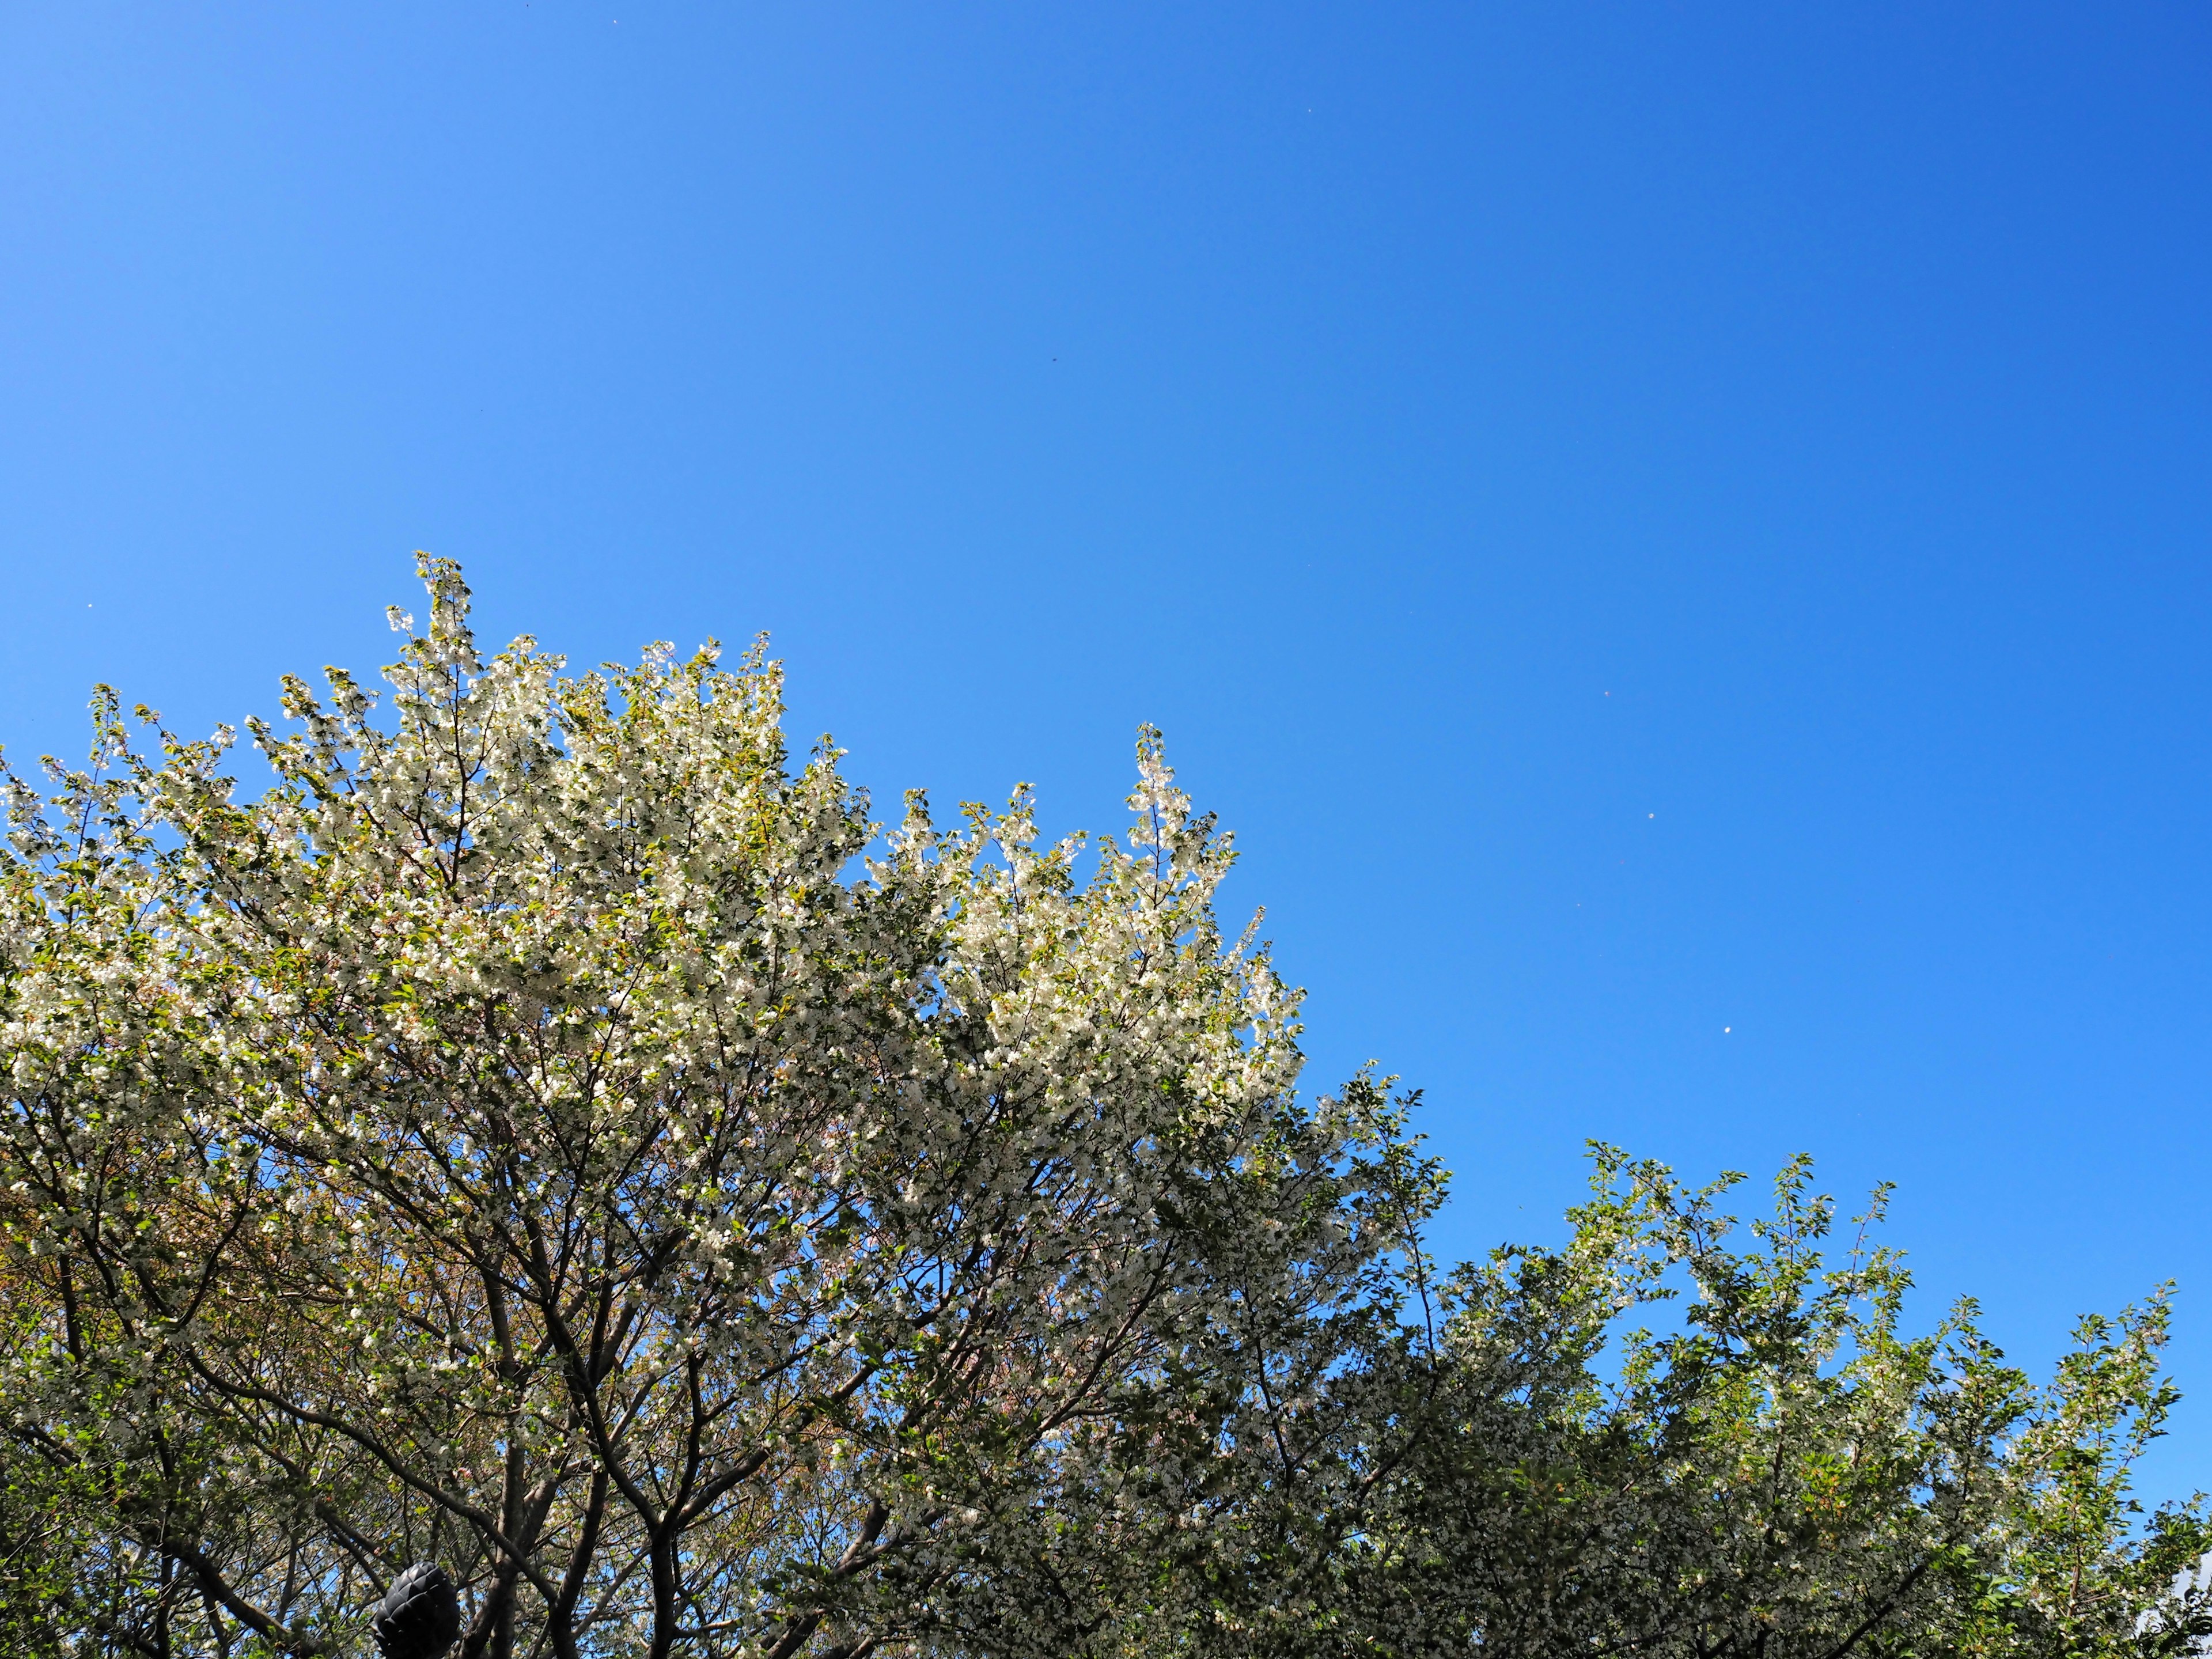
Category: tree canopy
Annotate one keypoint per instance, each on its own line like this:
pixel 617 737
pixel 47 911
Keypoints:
pixel 550 1133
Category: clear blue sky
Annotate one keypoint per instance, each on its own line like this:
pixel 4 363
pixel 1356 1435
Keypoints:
pixel 1676 536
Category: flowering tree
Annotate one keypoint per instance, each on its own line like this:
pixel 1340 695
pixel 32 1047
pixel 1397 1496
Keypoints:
pixel 548 1135
pixel 538 1134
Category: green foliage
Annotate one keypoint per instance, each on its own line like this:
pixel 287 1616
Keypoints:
pixel 550 1133
pixel 1781 1472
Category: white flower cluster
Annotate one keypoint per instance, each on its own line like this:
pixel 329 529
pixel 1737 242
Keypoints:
pixel 519 1138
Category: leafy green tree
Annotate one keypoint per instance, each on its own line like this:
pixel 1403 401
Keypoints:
pixel 1778 1475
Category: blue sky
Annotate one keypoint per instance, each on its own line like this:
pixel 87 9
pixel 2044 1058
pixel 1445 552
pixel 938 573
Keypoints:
pixel 1676 536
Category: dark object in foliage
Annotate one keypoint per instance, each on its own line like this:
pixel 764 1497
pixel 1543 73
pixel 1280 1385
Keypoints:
pixel 421 1615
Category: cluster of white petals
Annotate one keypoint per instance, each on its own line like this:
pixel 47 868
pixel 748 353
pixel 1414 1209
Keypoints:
pixel 550 1133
